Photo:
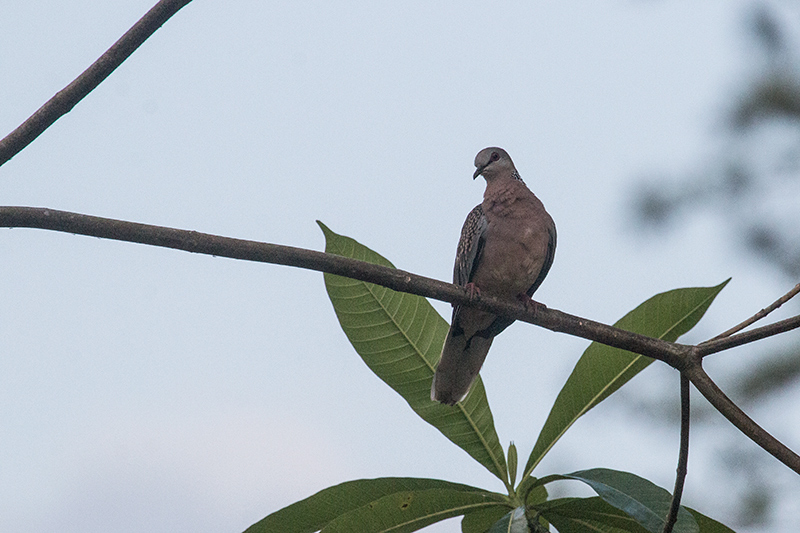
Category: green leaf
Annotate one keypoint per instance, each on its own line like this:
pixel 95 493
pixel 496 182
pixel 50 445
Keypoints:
pixel 639 498
pixel 576 515
pixel 411 510
pixel 580 515
pixel 513 522
pixel 480 521
pixel 709 525
pixel 602 369
pixel 400 336
pixel 313 513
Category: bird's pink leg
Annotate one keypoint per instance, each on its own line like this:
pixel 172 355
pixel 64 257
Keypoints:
pixel 472 290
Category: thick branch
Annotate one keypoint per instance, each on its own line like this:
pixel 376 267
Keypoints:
pixel 681 357
pixel 63 102
pixel 399 280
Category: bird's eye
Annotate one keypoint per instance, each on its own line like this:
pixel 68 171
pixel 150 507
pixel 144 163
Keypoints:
pixel 495 156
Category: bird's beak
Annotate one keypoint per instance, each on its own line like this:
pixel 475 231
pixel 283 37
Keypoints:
pixel 478 171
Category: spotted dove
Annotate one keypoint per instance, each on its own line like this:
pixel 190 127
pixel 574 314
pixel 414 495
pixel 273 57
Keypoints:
pixel 506 248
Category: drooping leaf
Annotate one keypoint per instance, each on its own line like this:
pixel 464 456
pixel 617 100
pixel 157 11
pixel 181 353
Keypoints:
pixel 481 520
pixel 581 515
pixel 513 522
pixel 602 370
pixel 637 497
pixel 411 510
pixel 400 337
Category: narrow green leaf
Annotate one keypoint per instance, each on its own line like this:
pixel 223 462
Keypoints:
pixel 581 515
pixel 512 463
pixel 400 336
pixel 481 520
pixel 411 510
pixel 641 499
pixel 513 522
pixel 602 370
pixel 313 513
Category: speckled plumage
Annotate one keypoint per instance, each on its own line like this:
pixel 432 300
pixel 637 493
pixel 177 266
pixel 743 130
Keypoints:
pixel 506 248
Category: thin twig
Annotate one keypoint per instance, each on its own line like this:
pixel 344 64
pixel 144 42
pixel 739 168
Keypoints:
pixel 67 98
pixel 761 314
pixel 683 458
pixel 782 326
pixel 679 356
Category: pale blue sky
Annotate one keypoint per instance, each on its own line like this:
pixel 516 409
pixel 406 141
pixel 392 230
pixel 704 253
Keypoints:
pixel 144 389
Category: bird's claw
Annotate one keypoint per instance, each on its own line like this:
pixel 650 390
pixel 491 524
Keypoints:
pixel 472 291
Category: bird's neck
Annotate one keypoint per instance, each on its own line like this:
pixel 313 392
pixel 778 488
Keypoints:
pixel 502 193
pixel 504 184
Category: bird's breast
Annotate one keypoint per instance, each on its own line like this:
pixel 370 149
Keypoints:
pixel 513 254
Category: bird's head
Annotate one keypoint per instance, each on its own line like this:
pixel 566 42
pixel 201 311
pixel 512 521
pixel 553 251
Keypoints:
pixel 492 162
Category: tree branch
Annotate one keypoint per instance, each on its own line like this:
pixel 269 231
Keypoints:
pixel 64 100
pixel 399 280
pixel 679 356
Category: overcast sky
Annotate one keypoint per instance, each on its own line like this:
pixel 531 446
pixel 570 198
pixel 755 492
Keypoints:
pixel 146 389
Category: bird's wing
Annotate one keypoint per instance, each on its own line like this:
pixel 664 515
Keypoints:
pixel 468 253
pixel 470 246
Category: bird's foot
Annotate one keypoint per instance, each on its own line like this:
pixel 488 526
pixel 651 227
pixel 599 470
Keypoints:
pixel 472 291
pixel 530 303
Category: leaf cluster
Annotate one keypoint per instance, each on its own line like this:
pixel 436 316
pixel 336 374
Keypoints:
pixel 400 337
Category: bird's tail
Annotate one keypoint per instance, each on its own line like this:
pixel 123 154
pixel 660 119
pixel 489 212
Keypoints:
pixel 458 367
